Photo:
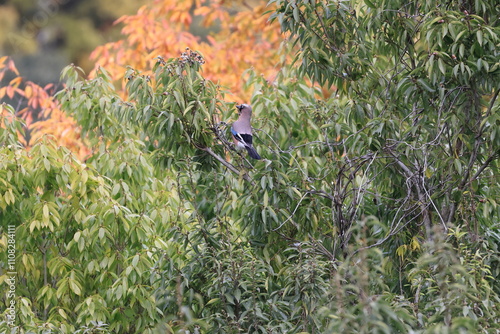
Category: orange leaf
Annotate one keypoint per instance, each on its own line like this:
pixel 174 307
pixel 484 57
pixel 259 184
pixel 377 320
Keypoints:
pixel 34 102
pixel 15 82
pixel 28 91
pixel 2 61
pixel 11 66
pixel 202 11
pixel 10 92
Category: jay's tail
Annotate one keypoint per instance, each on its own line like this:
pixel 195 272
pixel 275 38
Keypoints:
pixel 253 153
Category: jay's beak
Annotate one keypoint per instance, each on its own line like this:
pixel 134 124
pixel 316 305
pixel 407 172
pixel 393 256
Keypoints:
pixel 239 107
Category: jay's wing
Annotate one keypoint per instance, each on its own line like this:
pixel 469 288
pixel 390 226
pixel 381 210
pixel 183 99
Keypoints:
pixel 244 138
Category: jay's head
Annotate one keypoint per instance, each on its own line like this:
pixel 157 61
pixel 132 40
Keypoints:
pixel 244 109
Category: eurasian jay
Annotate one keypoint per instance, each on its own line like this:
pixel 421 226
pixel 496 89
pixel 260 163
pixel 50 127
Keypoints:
pixel 242 131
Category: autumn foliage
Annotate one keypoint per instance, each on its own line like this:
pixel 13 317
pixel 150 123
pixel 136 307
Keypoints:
pixel 40 111
pixel 239 37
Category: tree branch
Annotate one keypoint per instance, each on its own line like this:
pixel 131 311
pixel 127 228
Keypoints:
pixel 485 164
pixel 413 178
pixel 227 164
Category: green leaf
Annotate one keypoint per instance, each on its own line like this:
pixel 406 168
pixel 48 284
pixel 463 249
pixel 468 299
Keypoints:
pixel 62 313
pixel 441 66
pixel 116 189
pixel 370 4
pixel 46 164
pixel 213 301
pixel 75 287
pixel 46 213
pixel 296 14
pixel 135 260
pixel 102 233
pixel 479 35
pixel 425 85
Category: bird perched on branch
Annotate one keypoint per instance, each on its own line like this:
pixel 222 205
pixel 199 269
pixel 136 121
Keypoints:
pixel 242 131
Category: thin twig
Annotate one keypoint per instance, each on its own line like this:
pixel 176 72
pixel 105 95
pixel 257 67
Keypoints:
pixel 293 213
pixel 227 164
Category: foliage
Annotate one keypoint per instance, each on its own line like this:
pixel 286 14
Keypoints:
pixel 422 85
pixel 238 37
pixel 373 210
pixel 226 37
pixel 80 254
pixel 452 287
pixel 39 110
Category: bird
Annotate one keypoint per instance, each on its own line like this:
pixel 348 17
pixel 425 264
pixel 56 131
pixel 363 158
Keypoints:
pixel 242 131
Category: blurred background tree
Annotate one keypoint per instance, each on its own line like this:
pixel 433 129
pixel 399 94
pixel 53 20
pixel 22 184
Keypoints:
pixel 44 36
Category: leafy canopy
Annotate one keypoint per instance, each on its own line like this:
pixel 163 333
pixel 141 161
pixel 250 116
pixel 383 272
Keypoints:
pixel 374 210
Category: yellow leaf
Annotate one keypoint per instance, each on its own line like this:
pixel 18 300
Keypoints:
pixel 15 82
pixel 28 91
pixel 414 244
pixel 401 251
